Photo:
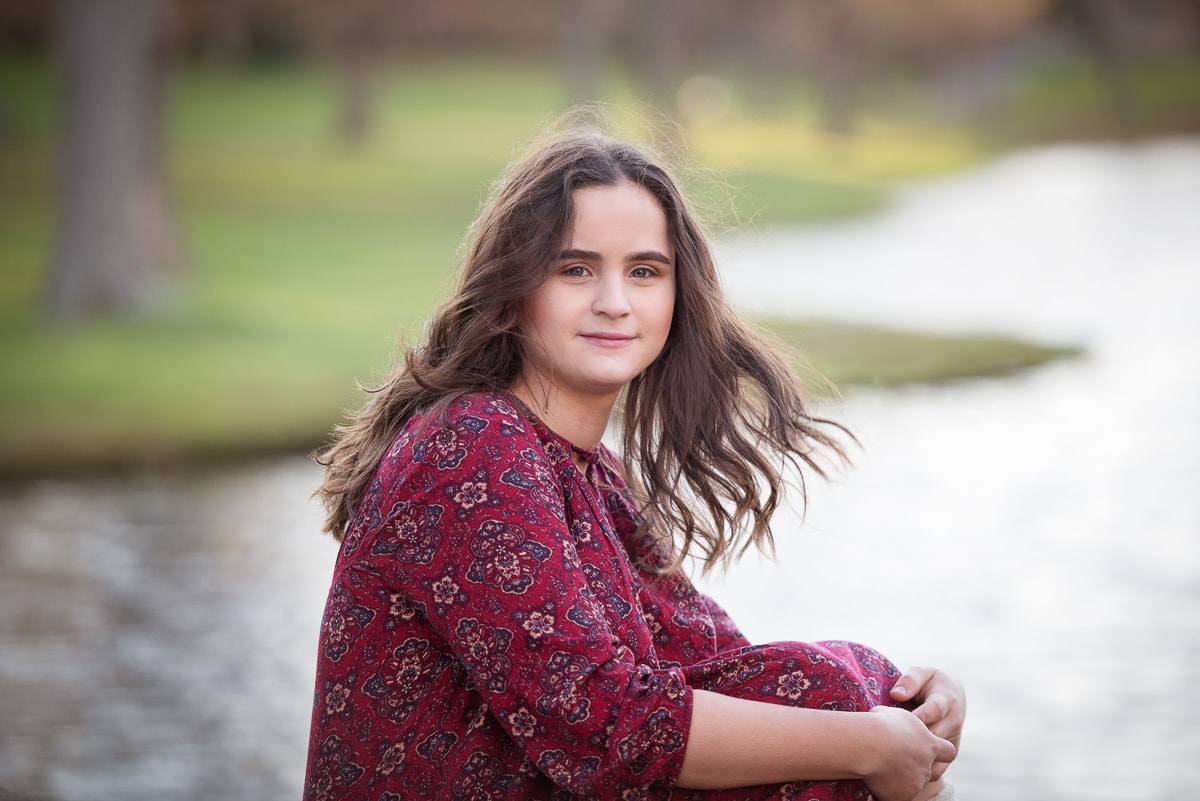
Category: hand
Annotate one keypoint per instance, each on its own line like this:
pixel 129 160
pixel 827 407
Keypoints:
pixel 904 755
pixel 938 701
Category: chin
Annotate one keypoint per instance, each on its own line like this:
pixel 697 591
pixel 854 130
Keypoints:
pixel 608 385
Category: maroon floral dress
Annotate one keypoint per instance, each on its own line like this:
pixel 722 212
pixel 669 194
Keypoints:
pixel 488 635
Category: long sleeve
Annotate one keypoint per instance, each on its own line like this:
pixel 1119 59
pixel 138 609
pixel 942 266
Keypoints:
pixel 493 549
pixel 729 636
pixel 687 625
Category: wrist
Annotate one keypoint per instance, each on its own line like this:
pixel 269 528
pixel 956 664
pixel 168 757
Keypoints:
pixel 870 736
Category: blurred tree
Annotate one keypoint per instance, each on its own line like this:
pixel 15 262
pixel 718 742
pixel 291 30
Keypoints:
pixel 844 43
pixel 661 32
pixel 359 39
pixel 1100 24
pixel 581 39
pixel 839 64
pixel 356 36
pixel 224 29
pixel 24 24
pixel 116 247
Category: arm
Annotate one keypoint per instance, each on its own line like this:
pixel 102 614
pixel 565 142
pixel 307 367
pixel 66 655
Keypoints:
pixel 477 538
pixel 938 701
pixel 739 743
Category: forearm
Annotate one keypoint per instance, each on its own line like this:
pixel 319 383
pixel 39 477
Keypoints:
pixel 739 743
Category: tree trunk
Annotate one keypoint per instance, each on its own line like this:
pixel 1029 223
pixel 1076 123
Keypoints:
pixel 356 106
pixel 581 43
pixel 1100 22
pixel 838 71
pixel 115 240
pixel 357 34
pixel 661 38
pixel 225 32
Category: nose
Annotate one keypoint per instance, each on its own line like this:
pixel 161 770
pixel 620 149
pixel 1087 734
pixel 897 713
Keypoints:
pixel 611 298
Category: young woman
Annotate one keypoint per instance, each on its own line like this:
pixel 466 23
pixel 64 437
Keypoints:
pixel 507 618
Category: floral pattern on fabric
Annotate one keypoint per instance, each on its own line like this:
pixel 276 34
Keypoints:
pixel 488 635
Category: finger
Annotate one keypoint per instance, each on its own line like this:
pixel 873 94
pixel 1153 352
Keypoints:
pixel 947 730
pixel 911 682
pixel 934 708
pixel 945 751
pixel 939 766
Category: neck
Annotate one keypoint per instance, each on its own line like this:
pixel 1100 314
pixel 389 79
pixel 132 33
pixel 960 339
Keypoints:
pixel 580 420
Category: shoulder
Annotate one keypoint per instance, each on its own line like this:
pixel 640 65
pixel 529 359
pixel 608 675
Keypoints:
pixel 471 455
pixel 465 457
pixel 483 411
pixel 477 415
pixel 477 431
pixel 444 433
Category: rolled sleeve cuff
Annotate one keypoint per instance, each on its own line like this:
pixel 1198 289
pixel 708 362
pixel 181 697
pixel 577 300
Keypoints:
pixel 649 748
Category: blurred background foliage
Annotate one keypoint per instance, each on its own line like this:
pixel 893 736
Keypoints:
pixel 216 217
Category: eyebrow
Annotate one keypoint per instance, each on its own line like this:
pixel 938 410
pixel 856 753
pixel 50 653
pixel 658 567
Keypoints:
pixel 591 255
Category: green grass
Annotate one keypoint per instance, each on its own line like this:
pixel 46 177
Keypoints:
pixel 307 261
pixel 847 354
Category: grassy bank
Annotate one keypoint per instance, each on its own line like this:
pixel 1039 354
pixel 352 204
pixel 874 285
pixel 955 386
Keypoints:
pixel 864 355
pixel 307 261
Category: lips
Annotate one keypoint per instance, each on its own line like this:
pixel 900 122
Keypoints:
pixel 606 339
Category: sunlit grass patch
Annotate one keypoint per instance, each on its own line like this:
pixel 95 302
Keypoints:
pixel 848 354
pixel 879 152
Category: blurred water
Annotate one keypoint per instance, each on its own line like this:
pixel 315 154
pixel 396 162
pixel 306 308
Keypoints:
pixel 1037 535
pixel 159 634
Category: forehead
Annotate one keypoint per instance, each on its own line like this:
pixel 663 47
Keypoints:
pixel 622 211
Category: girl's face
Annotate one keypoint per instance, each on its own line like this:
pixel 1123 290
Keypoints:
pixel 604 313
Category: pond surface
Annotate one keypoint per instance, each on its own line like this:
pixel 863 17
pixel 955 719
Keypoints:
pixel 1037 535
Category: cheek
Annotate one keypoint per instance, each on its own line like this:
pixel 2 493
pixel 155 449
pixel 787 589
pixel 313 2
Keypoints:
pixel 537 316
pixel 666 310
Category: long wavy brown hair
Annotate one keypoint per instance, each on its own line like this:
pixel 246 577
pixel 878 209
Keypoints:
pixel 709 432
